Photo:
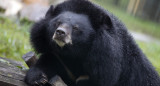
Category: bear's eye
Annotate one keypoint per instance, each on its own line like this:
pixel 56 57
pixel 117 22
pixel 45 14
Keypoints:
pixel 76 27
pixel 58 23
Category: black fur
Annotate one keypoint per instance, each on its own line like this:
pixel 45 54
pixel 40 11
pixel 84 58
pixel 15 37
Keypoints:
pixel 107 54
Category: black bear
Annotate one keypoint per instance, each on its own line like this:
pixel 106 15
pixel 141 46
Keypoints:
pixel 78 39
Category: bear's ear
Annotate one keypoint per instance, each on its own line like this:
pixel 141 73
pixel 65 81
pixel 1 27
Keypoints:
pixel 106 20
pixel 50 12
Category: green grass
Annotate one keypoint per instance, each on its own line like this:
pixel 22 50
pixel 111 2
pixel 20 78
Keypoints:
pixel 152 51
pixel 14 39
pixel 133 23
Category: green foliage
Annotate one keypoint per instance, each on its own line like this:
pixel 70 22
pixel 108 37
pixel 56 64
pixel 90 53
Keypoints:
pixel 152 51
pixel 122 3
pixel 14 39
pixel 132 22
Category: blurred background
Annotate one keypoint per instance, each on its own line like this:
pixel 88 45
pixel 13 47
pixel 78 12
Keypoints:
pixel 141 17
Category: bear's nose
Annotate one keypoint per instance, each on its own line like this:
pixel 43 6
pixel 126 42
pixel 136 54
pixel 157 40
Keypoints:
pixel 60 32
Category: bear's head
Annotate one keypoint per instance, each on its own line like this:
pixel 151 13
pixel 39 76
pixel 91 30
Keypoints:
pixel 76 22
pixel 69 28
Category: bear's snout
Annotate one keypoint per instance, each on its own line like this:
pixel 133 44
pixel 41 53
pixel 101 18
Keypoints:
pixel 62 35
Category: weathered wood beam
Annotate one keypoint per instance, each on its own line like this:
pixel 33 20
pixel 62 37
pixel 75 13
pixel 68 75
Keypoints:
pixel 30 59
pixel 12 74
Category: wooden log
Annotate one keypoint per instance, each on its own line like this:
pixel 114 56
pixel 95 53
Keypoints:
pixel 30 59
pixel 10 73
pixel 57 81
